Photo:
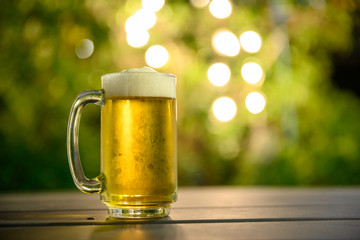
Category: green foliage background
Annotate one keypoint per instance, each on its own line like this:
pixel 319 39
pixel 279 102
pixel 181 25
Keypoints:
pixel 308 134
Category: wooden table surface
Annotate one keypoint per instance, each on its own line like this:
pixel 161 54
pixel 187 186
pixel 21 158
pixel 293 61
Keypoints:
pixel 200 213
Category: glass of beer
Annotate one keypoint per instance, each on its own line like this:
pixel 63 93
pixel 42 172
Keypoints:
pixel 138 176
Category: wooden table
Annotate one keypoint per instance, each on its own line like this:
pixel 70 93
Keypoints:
pixel 200 213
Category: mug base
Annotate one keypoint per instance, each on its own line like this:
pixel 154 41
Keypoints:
pixel 139 212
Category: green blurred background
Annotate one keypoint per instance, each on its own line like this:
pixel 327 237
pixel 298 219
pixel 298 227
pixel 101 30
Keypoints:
pixel 307 134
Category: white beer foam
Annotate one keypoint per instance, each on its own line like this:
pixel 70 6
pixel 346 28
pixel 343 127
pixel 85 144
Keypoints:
pixel 139 82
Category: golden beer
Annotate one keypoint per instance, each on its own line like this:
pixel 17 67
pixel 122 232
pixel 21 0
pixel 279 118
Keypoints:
pixel 138 176
pixel 138 151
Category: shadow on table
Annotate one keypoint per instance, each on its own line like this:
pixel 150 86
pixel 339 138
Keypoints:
pixel 138 230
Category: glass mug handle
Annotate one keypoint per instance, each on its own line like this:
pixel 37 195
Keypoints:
pixel 72 140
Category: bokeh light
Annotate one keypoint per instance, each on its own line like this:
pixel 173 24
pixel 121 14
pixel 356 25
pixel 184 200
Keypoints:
pixel 153 5
pixel 156 56
pixel 229 148
pixel 304 44
pixel 252 72
pixel 199 3
pixel 137 38
pixel 250 41
pixel 219 74
pixel 255 102
pixel 143 19
pixel 224 109
pixel 220 8
pixel 84 48
pixel 226 43
pixel 137 25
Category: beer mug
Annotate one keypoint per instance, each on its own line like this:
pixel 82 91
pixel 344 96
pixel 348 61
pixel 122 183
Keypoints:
pixel 138 176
